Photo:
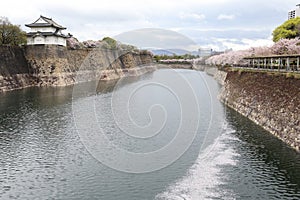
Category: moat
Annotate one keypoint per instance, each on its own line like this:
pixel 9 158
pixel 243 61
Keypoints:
pixel 43 157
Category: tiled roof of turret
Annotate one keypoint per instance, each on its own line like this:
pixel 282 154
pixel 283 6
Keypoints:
pixel 45 34
pixel 48 22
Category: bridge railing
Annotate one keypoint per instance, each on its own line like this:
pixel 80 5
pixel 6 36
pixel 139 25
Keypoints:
pixel 287 63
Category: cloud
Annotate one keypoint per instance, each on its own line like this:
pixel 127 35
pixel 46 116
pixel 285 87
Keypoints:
pixel 238 44
pixel 201 20
pixel 156 38
pixel 226 17
pixel 193 16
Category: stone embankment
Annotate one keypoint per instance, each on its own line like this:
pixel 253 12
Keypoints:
pixel 50 65
pixel 270 100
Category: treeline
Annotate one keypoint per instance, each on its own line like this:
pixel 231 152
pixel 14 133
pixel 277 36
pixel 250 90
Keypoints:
pixel 282 47
pixel 174 57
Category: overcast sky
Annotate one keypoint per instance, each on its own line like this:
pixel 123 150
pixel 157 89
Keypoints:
pixel 218 24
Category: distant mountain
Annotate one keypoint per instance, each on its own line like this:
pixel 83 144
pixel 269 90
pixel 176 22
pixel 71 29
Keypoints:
pixel 170 52
pixel 195 53
pixel 161 52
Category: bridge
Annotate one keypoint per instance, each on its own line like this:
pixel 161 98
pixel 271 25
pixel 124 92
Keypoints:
pixel 284 63
pixel 196 64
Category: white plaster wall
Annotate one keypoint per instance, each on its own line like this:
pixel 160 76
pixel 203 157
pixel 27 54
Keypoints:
pixel 43 29
pixel 46 40
pixel 39 40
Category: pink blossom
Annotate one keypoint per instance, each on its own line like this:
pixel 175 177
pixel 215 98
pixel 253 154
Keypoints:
pixel 286 46
pixel 73 43
pixel 283 46
pixel 91 43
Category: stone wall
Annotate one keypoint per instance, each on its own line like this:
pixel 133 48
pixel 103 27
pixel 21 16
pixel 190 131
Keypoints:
pixel 270 100
pixel 12 56
pixel 51 65
pixel 14 69
pixel 219 75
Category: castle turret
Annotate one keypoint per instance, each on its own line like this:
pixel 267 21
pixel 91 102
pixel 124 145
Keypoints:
pixel 46 31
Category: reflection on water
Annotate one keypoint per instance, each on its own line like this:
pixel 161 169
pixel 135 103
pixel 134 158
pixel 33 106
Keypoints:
pixel 42 156
pixel 266 166
pixel 108 86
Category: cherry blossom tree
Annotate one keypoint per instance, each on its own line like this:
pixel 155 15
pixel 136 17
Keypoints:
pixel 282 47
pixel 73 43
pixel 286 46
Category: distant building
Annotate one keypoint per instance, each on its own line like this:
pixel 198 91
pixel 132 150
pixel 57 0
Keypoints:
pixel 294 13
pixel 203 52
pixel 45 31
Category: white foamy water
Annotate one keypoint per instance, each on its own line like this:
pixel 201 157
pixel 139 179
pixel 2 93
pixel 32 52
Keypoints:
pixel 204 178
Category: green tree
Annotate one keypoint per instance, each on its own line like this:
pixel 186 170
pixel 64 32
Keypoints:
pixel 11 34
pixel 288 30
pixel 112 44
